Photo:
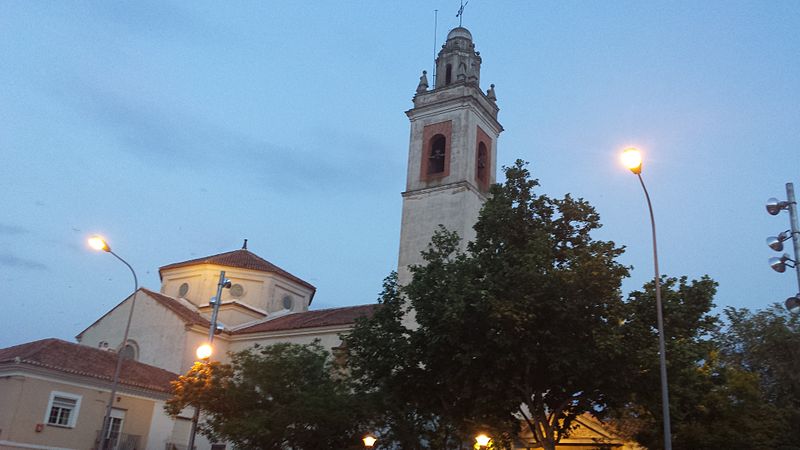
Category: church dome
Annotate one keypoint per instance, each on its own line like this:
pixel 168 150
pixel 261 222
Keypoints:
pixel 459 32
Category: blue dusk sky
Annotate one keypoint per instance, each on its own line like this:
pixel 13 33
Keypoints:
pixel 177 129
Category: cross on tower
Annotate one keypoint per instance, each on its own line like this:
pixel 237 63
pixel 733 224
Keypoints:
pixel 460 14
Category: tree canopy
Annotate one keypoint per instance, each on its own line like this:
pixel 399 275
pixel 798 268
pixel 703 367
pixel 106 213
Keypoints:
pixel 733 382
pixel 275 397
pixel 523 327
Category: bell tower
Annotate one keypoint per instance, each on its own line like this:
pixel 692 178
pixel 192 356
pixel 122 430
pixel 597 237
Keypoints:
pixel 452 151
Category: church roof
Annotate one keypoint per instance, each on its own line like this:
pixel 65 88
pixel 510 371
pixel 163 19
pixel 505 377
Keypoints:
pixel 242 259
pixel 76 359
pixel 311 319
pixel 190 316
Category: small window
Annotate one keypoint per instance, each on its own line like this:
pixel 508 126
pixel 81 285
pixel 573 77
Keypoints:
pixel 437 155
pixel 482 170
pixel 183 290
pixel 237 290
pixel 130 351
pixel 218 447
pixel 288 302
pixel 448 77
pixel 62 410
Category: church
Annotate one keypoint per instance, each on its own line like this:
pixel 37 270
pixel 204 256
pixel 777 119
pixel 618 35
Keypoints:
pixel 54 392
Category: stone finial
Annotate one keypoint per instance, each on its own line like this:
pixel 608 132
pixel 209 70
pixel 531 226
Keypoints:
pixel 490 93
pixel 423 82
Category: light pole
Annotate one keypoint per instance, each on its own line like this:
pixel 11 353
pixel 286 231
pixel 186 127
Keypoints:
pixel 632 159
pixel 204 351
pixel 98 243
pixel 775 206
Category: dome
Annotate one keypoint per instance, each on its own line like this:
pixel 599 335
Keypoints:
pixel 459 32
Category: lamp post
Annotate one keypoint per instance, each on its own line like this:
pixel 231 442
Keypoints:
pixel 369 441
pixel 204 351
pixel 98 243
pixel 774 207
pixel 632 159
pixel 482 440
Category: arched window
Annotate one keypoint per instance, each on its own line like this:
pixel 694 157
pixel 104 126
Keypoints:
pixel 130 351
pixel 448 77
pixel 436 155
pixel 483 160
pixel 482 164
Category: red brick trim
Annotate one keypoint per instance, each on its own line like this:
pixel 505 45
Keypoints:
pixel 446 130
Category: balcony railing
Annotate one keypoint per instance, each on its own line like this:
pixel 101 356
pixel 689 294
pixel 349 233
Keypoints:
pixel 121 441
pixel 174 446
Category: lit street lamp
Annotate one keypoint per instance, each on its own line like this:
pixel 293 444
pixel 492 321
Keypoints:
pixel 369 441
pixel 632 159
pixel 482 440
pixel 778 264
pixel 205 351
pixel 98 243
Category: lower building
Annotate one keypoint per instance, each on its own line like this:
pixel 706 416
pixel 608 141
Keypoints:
pixel 54 396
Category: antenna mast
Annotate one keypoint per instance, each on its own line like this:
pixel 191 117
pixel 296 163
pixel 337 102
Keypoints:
pixel 435 27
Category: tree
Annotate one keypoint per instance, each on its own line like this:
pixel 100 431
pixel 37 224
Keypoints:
pixel 523 327
pixel 766 343
pixel 730 386
pixel 688 329
pixel 275 397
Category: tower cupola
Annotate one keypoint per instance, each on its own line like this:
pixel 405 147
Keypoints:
pixel 458 61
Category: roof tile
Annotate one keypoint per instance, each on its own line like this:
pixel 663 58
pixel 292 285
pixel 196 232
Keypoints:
pixel 311 319
pixel 189 316
pixel 243 259
pixel 87 361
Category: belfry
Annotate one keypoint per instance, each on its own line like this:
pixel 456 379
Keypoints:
pixel 452 150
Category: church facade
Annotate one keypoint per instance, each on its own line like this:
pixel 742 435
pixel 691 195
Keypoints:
pixel 452 157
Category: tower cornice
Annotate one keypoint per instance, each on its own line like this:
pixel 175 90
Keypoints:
pixel 464 185
pixel 454 97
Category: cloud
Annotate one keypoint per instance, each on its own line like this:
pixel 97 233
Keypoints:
pixel 14 261
pixel 12 229
pixel 162 138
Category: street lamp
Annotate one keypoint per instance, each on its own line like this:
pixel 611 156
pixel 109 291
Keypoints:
pixel 482 440
pixel 778 264
pixel 632 159
pixel 205 351
pixel 369 441
pixel 793 304
pixel 100 244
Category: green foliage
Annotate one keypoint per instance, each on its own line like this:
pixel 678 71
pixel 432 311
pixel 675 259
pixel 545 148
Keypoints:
pixel 688 328
pixel 275 397
pixel 766 343
pixel 730 387
pixel 530 315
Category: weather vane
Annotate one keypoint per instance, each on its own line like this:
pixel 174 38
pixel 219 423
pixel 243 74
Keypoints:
pixel 460 14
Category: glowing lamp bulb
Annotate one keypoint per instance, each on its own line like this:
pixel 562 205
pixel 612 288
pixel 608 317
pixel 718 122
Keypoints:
pixel 632 159
pixel 369 441
pixel 98 243
pixel 482 440
pixel 204 351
